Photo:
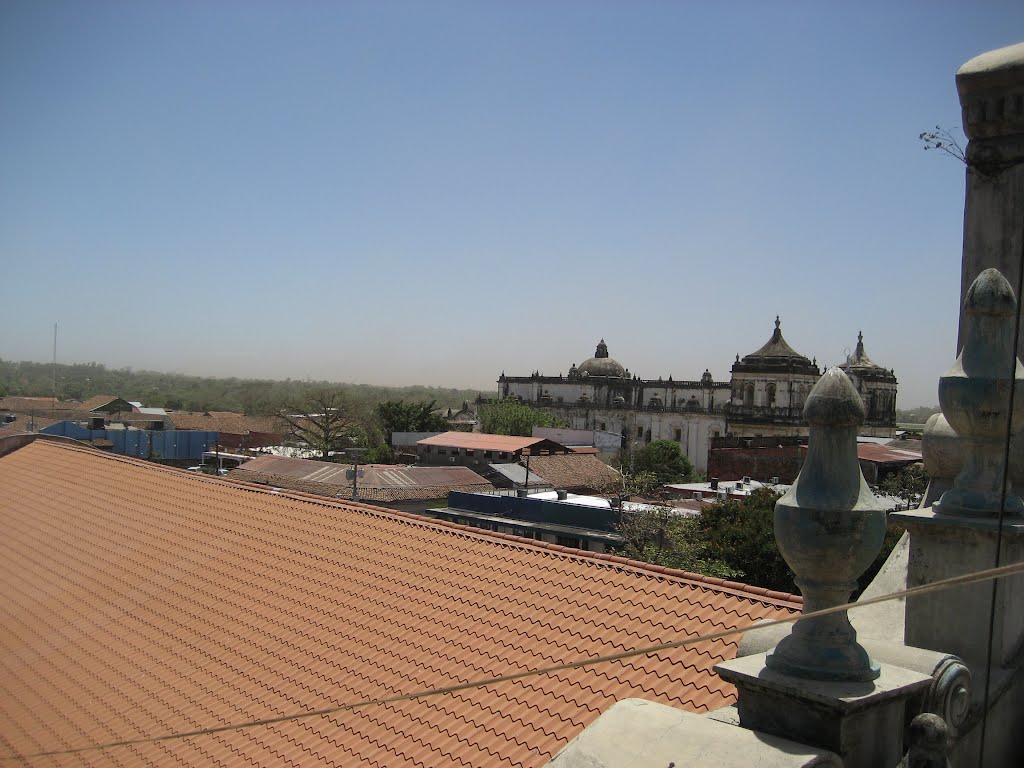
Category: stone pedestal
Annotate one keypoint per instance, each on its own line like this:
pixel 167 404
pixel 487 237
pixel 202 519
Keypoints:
pixel 956 620
pixel 645 734
pixel 861 722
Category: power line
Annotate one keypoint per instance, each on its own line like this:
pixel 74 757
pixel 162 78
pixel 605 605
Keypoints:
pixel 955 581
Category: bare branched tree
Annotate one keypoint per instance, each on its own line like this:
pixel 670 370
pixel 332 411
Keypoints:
pixel 326 420
pixel 943 140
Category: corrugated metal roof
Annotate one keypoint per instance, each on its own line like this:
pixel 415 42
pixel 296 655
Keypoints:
pixel 374 475
pixel 516 473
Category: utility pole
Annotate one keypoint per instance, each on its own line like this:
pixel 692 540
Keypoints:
pixel 55 366
pixel 355 471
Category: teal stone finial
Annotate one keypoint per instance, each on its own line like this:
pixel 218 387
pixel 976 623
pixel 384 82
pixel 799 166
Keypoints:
pixel 975 399
pixel 829 528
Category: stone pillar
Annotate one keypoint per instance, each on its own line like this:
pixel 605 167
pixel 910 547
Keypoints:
pixel 977 522
pixel 819 685
pixel 991 90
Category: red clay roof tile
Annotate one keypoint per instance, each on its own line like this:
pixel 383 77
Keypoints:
pixel 575 471
pixel 140 601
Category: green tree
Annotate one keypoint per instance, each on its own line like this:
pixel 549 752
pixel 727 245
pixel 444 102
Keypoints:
pixel 664 537
pixel 400 416
pixel 325 420
pixel 909 484
pixel 741 534
pixel 918 415
pixel 511 417
pixel 640 483
pixel 664 459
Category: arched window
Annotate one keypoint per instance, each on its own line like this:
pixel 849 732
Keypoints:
pixel 770 396
pixel 748 395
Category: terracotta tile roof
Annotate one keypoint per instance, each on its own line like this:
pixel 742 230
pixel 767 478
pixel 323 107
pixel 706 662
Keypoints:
pixel 101 400
pixel 34 404
pixel 378 483
pixel 885 454
pixel 575 471
pixel 139 601
pixel 478 441
pixel 225 422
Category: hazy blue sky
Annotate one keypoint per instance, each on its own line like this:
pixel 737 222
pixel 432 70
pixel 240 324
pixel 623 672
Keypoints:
pixel 434 192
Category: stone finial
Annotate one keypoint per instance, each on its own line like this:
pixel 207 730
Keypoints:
pixel 975 399
pixel 829 528
pixel 928 743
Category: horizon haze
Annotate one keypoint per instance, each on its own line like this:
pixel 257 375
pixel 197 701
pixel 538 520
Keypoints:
pixel 432 194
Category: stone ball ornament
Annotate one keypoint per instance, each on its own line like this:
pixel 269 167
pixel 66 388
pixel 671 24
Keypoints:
pixel 829 527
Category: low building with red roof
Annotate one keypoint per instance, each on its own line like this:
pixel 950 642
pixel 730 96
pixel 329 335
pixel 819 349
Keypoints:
pixel 469 448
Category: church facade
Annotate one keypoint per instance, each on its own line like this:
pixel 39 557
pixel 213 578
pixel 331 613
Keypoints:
pixel 764 396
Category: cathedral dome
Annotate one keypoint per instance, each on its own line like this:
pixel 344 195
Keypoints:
pixel 776 356
pixel 602 365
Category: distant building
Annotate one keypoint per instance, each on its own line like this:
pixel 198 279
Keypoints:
pixel 764 396
pixel 768 389
pixel 472 448
pixel 563 519
pixel 876 386
pixel 394 486
pixel 606 443
pixel 463 420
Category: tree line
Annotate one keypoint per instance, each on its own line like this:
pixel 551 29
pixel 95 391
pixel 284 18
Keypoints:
pixel 176 391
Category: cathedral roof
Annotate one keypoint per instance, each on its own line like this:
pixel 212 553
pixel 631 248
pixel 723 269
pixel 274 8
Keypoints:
pixel 601 365
pixel 859 363
pixel 776 354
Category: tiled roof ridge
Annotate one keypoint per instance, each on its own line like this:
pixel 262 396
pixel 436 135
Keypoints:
pixel 735 588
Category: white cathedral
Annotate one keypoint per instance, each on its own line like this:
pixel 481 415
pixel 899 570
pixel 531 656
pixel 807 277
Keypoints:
pixel 763 397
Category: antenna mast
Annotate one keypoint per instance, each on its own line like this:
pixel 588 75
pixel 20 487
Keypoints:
pixel 54 365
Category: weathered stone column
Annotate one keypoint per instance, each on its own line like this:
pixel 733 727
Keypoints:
pixel 958 534
pixel 819 685
pixel 991 90
pixel 977 522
